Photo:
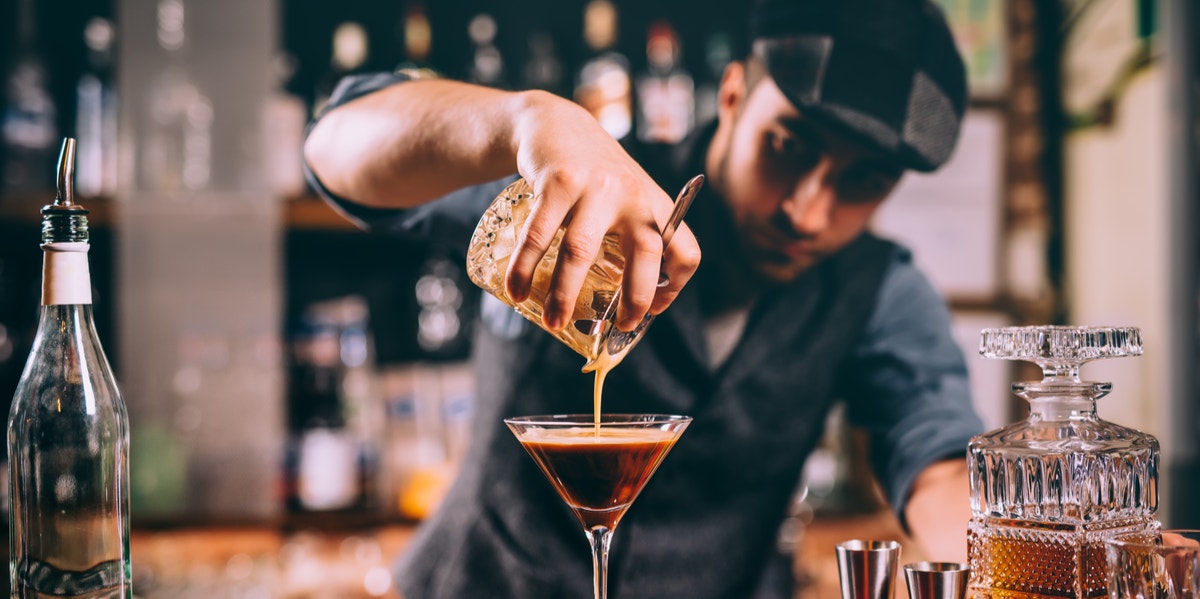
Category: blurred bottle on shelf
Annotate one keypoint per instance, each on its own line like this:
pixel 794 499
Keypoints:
pixel 10 369
pixel 430 408
pixel 430 402
pixel 666 91
pixel 28 125
pixel 458 407
pixel 543 70
pixel 443 313
pixel 335 418
pixel 96 113
pixel 176 155
pixel 487 65
pixel 718 52
pixel 287 116
pixel 15 326
pixel 604 85
pixel 837 478
pixel 349 51
pixel 418 34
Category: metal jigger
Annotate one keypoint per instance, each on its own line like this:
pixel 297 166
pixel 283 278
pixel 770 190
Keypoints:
pixel 867 569
pixel 936 580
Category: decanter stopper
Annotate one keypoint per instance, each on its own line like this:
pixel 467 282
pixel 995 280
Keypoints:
pixel 1060 350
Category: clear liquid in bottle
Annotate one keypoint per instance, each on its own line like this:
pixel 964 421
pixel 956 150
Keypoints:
pixel 68 433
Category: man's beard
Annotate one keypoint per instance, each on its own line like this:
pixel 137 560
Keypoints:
pixel 770 268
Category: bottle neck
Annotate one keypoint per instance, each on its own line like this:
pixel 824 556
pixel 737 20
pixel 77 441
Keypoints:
pixel 66 279
pixel 1062 399
pixel 1062 408
pixel 67 320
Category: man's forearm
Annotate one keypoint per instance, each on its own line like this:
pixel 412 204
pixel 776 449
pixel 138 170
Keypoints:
pixel 413 142
pixel 939 509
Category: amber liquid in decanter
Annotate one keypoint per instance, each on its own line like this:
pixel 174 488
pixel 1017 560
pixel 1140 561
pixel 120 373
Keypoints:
pixel 1047 491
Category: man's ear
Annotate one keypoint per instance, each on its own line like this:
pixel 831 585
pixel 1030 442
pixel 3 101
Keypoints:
pixel 732 93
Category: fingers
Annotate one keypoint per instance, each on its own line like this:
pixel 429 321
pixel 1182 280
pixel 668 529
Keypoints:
pixel 557 281
pixel 546 216
pixel 680 261
pixel 576 254
pixel 643 257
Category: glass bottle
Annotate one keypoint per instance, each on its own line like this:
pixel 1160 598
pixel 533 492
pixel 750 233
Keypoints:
pixel 68 431
pixel 487 63
pixel 605 87
pixel 1047 491
pixel 335 414
pixel 28 123
pixel 287 116
pixel 96 114
pixel 544 68
pixel 718 52
pixel 418 33
pixel 176 154
pixel 349 51
pixel 665 91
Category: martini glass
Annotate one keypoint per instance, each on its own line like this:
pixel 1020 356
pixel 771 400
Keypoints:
pixel 598 469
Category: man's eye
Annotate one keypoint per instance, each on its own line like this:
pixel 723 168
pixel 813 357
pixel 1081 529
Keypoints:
pixel 792 152
pixel 865 187
pixel 783 144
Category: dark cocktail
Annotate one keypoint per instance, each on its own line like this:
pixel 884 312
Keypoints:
pixel 598 469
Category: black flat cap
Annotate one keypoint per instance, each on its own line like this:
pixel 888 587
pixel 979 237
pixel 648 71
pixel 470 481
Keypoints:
pixel 885 71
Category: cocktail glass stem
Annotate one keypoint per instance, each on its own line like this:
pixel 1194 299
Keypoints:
pixel 600 538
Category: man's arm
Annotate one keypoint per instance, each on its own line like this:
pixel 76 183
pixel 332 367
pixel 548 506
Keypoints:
pixel 907 386
pixel 408 144
pixel 938 510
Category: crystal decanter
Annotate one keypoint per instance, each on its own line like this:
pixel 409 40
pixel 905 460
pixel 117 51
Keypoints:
pixel 1047 491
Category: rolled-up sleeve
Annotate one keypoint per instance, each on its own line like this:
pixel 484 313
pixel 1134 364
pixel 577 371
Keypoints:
pixel 447 222
pixel 906 384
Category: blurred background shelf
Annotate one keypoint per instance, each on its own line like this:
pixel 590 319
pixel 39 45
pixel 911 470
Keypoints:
pixel 302 213
pixel 219 305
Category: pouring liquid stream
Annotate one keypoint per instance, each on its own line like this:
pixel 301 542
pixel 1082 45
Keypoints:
pixel 604 363
pixel 601 367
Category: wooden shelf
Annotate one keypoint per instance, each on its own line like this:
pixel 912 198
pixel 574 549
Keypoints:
pixel 26 207
pixel 313 213
pixel 307 213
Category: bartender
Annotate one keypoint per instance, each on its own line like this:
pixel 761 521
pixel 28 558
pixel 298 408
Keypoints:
pixel 794 306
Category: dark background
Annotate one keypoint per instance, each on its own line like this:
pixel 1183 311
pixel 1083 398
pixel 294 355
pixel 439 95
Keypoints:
pixel 307 28
pixel 318 263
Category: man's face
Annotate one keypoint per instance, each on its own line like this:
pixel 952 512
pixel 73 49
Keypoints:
pixel 798 191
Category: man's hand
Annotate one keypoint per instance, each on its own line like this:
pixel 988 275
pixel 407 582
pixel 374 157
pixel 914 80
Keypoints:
pixel 584 181
pixel 409 144
pixel 939 509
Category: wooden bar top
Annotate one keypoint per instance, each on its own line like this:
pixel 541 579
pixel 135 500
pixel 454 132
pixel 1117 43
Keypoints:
pixel 249 561
pixel 224 561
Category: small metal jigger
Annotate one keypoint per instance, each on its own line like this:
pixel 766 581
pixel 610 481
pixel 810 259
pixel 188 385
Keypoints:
pixel 867 569
pixel 937 580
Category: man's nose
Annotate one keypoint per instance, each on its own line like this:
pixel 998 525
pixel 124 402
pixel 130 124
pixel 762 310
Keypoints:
pixel 810 204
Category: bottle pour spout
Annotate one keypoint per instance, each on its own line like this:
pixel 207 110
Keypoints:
pixel 63 220
pixel 66 174
pixel 64 199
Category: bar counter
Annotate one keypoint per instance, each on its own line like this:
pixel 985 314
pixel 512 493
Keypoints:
pixel 816 560
pixel 271 563
pixel 266 563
